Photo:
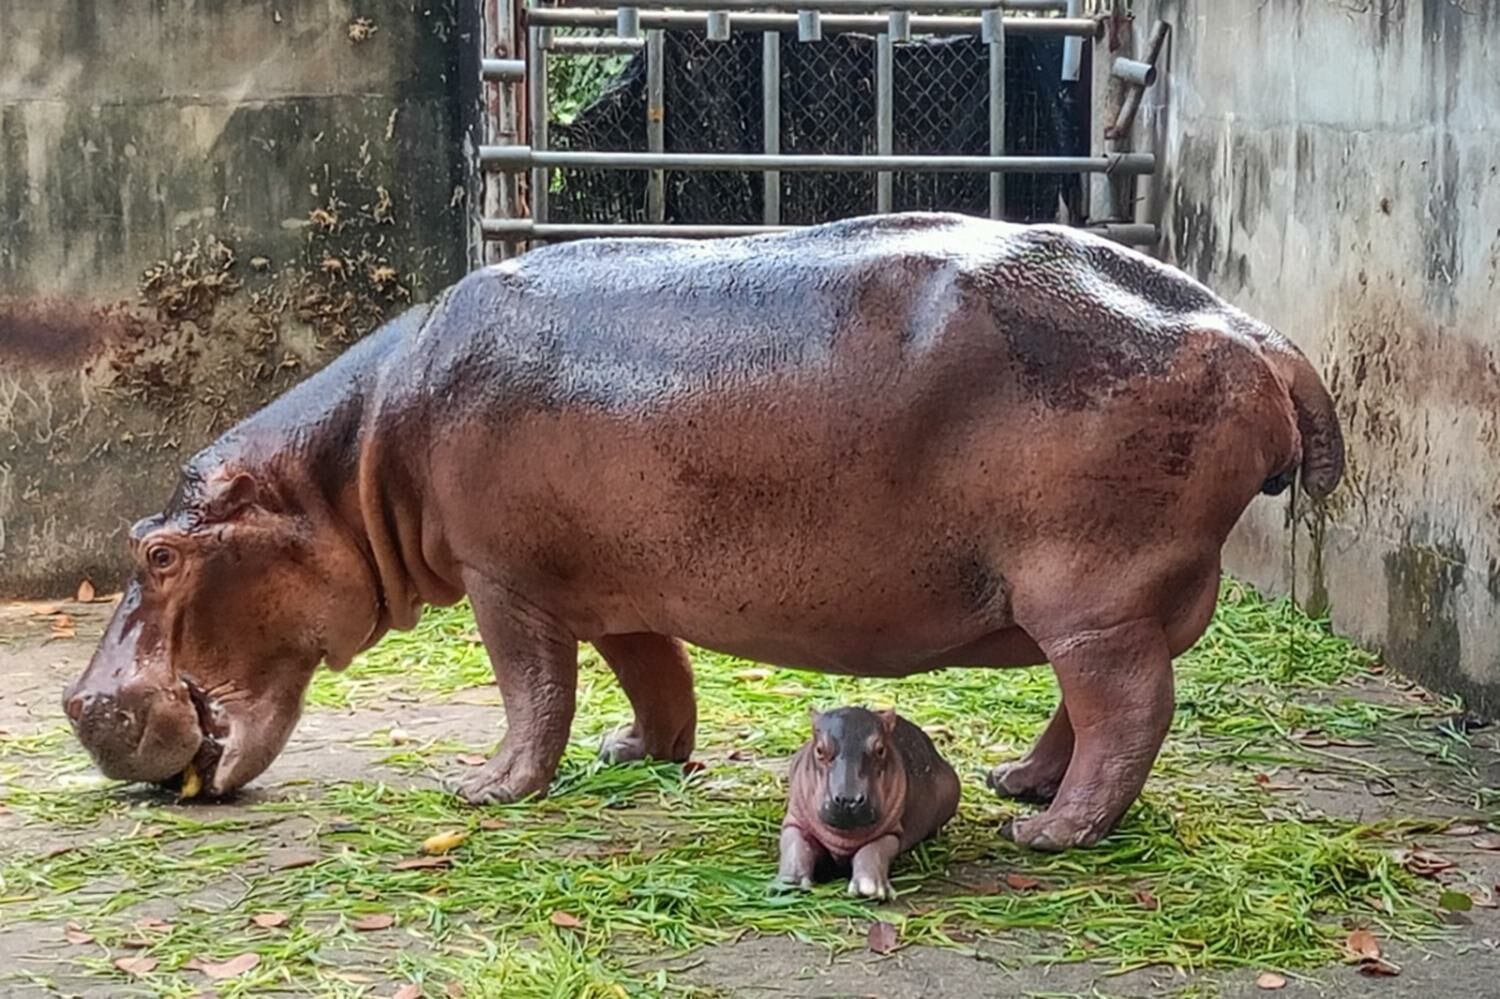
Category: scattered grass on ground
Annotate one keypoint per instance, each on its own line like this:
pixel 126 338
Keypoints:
pixel 588 892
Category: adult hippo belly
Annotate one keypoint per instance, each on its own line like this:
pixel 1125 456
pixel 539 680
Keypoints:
pixel 876 447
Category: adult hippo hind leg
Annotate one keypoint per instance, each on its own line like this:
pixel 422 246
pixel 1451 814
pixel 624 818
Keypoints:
pixel 1038 774
pixel 535 660
pixel 1117 687
pixel 657 676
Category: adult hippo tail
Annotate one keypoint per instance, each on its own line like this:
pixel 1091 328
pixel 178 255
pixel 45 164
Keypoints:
pixel 876 447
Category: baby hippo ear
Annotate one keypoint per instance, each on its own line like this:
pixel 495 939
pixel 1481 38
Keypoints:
pixel 887 720
pixel 813 715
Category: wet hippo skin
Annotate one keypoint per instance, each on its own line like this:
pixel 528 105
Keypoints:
pixel 878 447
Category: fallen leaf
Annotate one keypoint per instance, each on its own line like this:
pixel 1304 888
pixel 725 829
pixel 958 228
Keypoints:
pixel 151 832
pixel 740 755
pixel 566 920
pixel 291 860
pixel 1487 843
pixel 1455 901
pixel 1265 783
pixel 882 937
pixel 1379 967
pixel 1313 739
pixel 62 622
pixel 220 971
pixel 492 824
pixel 454 990
pixel 416 863
pixel 1146 899
pixel 471 759
pixel 269 920
pixel 1362 945
pixel 374 921
pixel 1423 862
pixel 136 965
pixel 151 924
pixel 1270 981
pixel 1349 743
pixel 1021 882
pixel 694 767
pixel 408 991
pixel 753 674
pixel 444 841
pixel 86 592
pixel 1463 829
pixel 75 934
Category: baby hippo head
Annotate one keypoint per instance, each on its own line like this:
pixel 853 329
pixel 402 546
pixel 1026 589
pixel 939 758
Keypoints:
pixel 851 756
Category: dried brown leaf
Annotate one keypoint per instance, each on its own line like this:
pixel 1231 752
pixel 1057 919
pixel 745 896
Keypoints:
pixel 454 990
pixel 1362 945
pixel 1462 829
pixel 492 824
pixel 292 859
pixel 1379 967
pixel 882 937
pixel 566 920
pixel 694 767
pixel 269 920
pixel 76 934
pixel 136 965
pixel 374 921
pixel 1487 843
pixel 1146 899
pixel 417 863
pixel 471 759
pixel 86 592
pixel 408 991
pixel 1021 882
pixel 223 970
pixel 152 924
pixel 1270 981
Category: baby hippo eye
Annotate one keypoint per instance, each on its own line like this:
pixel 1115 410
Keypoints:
pixel 161 557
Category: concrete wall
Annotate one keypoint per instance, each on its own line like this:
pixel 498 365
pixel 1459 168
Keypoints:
pixel 200 202
pixel 1332 168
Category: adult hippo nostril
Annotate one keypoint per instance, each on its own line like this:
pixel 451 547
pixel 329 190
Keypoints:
pixel 137 734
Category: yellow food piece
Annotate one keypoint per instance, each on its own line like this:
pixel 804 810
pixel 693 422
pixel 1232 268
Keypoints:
pixel 192 783
pixel 443 842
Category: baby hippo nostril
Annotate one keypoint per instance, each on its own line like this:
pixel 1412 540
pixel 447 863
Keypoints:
pixel 851 801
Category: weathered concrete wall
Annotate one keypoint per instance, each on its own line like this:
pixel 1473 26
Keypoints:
pixel 1332 168
pixel 201 201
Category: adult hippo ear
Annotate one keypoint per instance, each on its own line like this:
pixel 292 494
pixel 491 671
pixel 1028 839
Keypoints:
pixel 238 593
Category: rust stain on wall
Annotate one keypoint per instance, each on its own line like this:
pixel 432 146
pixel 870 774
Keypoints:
pixel 58 334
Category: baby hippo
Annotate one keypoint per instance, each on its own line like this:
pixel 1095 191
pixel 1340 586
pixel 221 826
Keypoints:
pixel 867 786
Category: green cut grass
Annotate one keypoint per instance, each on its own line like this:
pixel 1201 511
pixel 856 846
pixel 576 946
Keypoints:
pixel 651 862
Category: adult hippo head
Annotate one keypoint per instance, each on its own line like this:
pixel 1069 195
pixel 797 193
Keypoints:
pixel 876 447
pixel 237 593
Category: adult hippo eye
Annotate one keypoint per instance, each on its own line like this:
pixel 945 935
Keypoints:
pixel 161 558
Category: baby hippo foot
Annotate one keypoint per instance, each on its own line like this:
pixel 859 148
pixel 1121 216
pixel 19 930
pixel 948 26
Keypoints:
pixel 870 884
pixel 1054 831
pixel 782 884
pixel 505 779
pixel 626 744
pixel 1028 779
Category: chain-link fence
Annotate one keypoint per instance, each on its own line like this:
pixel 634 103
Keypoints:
pixel 712 101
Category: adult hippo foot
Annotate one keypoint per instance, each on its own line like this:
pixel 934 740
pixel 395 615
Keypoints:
pixel 1026 780
pixel 627 744
pixel 1053 833
pixel 505 779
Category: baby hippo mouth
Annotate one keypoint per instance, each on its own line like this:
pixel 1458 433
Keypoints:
pixel 197 777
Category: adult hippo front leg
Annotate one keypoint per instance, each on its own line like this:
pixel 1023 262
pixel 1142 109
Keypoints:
pixel 657 676
pixel 535 660
pixel 1117 687
pixel 1037 775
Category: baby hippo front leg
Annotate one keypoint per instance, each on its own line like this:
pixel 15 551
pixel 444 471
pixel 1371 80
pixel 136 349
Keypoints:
pixel 866 787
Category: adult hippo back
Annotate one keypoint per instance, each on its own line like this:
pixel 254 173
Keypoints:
pixel 876 447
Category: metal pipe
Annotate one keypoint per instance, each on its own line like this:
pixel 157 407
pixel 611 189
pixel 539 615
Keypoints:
pixel 770 97
pixel 628 22
pixel 718 25
pixel 1083 27
pixel 1072 59
pixel 656 117
pixel 885 117
pixel 809 26
pixel 522 157
pixel 1132 104
pixel 503 70
pixel 595 45
pixel 1132 233
pixel 900 26
pixel 536 115
pixel 1141 74
pixel 881 7
pixel 997 113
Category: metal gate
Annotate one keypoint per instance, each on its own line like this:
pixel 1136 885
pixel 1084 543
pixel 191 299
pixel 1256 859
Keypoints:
pixel 546 181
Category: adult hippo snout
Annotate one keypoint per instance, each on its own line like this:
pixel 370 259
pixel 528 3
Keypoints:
pixel 137 730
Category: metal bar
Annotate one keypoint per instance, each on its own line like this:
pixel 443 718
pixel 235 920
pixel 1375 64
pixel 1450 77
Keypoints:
pixel 503 70
pixel 536 116
pixel 1138 234
pixel 1072 60
pixel 627 22
pixel 1133 71
pixel 1083 27
pixel 502 118
pixel 770 97
pixel 656 116
pixel 595 45
pixel 997 113
pixel 522 157
pixel 1126 117
pixel 885 114
pixel 881 7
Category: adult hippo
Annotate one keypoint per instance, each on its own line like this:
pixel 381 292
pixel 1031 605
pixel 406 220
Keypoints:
pixel 876 447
